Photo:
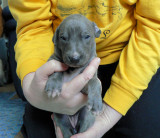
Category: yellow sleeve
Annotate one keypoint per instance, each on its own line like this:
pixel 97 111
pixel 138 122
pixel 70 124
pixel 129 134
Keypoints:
pixel 139 60
pixel 34 34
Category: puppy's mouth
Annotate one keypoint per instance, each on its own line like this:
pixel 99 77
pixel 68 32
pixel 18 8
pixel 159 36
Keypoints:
pixel 74 65
pixel 75 61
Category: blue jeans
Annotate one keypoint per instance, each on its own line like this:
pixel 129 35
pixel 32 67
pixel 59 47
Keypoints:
pixel 10 32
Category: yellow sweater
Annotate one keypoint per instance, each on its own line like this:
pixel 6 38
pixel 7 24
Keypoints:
pixel 130 34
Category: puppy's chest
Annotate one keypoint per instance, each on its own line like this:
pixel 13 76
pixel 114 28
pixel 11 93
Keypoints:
pixel 68 76
pixel 71 73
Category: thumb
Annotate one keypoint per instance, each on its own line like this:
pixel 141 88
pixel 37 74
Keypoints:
pixel 81 80
pixel 57 129
pixel 49 68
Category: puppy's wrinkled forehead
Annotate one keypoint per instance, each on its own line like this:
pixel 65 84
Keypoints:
pixel 76 24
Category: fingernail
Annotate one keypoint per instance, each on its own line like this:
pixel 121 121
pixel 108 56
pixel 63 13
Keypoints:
pixel 98 59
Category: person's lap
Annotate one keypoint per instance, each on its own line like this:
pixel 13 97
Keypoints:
pixel 37 123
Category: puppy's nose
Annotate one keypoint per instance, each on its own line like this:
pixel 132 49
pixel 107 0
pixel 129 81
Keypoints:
pixel 74 58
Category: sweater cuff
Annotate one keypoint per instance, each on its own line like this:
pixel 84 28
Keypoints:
pixel 29 66
pixel 119 99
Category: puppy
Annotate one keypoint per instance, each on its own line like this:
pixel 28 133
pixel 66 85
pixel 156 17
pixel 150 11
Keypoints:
pixel 75 46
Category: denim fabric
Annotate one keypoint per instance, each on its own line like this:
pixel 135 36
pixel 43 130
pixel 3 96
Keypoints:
pixel 10 31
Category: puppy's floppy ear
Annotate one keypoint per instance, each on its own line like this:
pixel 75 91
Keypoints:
pixel 57 52
pixel 97 31
pixel 55 37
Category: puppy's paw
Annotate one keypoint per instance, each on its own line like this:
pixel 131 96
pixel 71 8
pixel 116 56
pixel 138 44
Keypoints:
pixel 52 88
pixel 95 105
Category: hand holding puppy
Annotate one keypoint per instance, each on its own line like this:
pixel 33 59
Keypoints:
pixel 102 124
pixel 34 83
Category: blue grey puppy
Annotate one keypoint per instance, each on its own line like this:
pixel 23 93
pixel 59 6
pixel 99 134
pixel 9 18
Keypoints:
pixel 75 46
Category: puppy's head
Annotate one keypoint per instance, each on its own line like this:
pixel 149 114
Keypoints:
pixel 74 40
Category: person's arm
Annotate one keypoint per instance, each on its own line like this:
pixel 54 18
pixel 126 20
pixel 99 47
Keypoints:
pixel 34 34
pixel 139 60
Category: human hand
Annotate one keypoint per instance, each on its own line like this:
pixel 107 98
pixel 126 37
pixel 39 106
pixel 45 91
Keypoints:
pixel 103 123
pixel 70 100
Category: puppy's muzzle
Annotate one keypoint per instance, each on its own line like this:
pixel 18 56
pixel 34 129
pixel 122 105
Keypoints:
pixel 74 58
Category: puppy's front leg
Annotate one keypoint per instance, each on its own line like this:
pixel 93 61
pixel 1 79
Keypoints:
pixel 54 83
pixel 94 90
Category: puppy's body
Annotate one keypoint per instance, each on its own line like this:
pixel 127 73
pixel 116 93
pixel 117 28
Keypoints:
pixel 75 46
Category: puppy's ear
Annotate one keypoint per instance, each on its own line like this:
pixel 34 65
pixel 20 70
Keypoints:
pixel 55 37
pixel 57 52
pixel 97 31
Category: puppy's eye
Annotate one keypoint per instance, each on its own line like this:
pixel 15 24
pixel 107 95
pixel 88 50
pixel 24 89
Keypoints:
pixel 63 38
pixel 87 36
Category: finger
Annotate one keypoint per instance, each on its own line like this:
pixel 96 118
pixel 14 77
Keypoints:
pixel 86 135
pixel 49 68
pixel 78 83
pixel 96 131
pixel 59 133
pixel 52 117
pixel 77 102
pixel 57 129
pixel 80 100
pixel 91 133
